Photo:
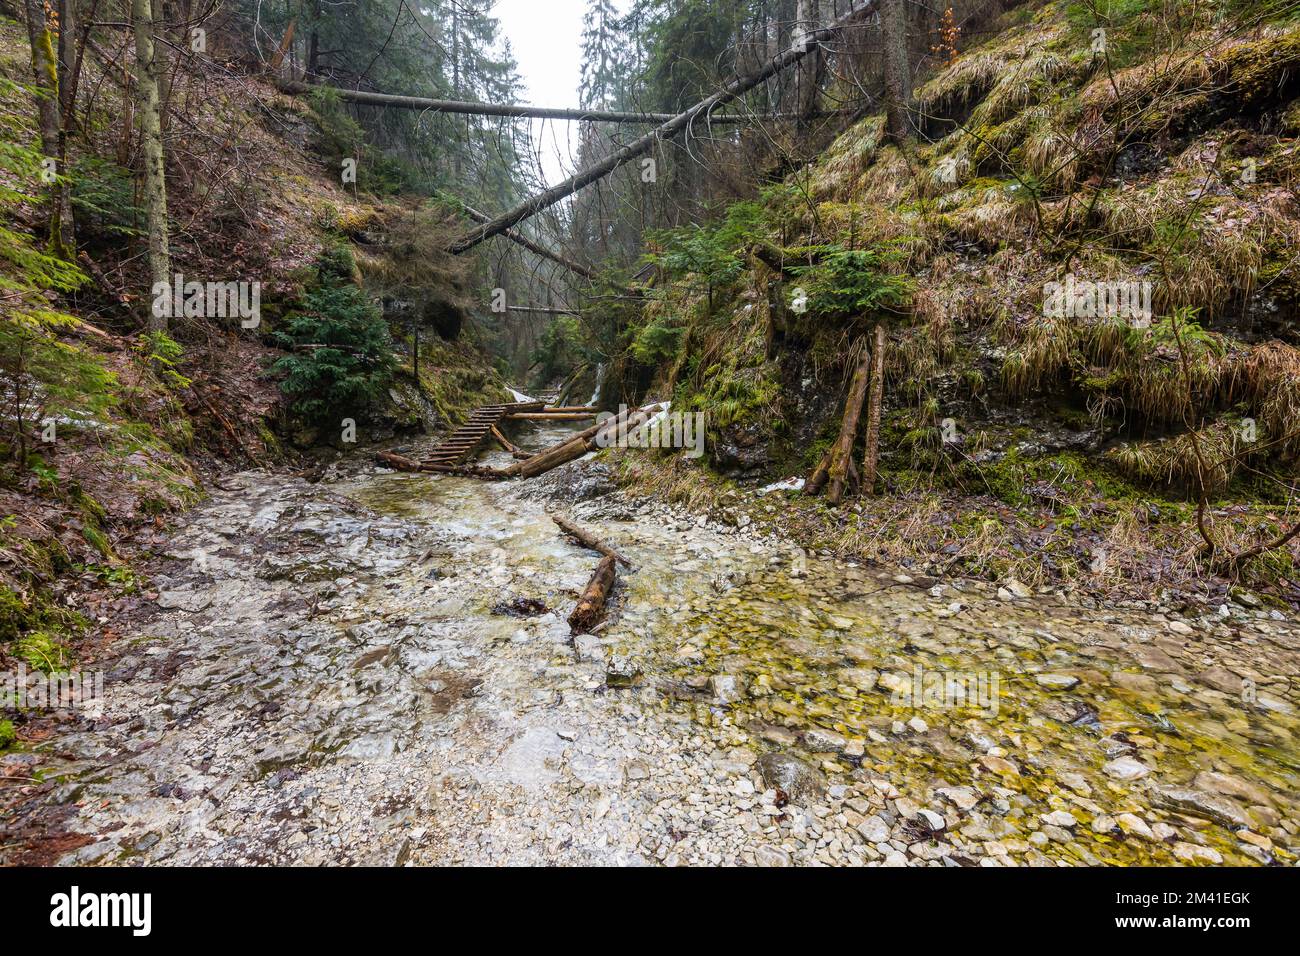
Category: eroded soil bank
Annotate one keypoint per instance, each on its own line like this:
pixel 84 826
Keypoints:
pixel 336 673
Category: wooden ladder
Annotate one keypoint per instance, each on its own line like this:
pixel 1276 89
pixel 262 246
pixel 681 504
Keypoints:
pixel 466 439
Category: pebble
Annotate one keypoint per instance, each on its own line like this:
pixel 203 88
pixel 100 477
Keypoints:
pixel 1057 681
pixel 1059 818
pixel 1131 823
pixel 1125 768
pixel 1191 853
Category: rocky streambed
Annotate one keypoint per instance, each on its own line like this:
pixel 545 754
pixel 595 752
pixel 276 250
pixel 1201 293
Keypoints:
pixel 375 669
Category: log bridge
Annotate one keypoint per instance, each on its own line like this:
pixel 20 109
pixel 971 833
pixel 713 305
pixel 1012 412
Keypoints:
pixel 452 455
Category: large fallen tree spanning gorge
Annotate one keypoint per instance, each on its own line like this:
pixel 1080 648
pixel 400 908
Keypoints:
pixel 645 144
pixel 507 110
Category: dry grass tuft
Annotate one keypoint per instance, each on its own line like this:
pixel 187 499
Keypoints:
pixel 1268 378
pixel 1174 462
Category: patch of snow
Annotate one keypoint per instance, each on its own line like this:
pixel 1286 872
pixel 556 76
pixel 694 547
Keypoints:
pixel 787 484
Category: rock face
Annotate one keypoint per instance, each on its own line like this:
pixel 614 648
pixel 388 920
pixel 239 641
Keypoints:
pixel 802 783
pixel 739 449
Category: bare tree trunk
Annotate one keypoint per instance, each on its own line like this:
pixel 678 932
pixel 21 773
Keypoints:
pixel 808 76
pixel 67 73
pixel 155 180
pixel 537 248
pixel 842 455
pixel 313 43
pixel 470 108
pixel 898 73
pixel 872 452
pixel 45 67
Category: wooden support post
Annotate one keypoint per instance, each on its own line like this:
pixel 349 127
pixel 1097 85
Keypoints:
pixel 842 454
pixel 872 453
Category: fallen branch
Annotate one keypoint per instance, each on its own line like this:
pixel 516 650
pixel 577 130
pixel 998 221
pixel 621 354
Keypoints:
pixel 536 248
pixel 510 446
pixel 401 462
pixel 1233 562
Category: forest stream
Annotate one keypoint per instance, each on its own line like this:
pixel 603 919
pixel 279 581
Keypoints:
pixel 376 669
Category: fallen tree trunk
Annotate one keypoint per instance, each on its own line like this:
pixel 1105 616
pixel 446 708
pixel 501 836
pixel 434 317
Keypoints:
pixel 647 143
pixel 842 454
pixel 537 248
pixel 548 416
pixel 585 441
pixel 591 606
pixel 589 540
pixel 400 462
pixel 516 110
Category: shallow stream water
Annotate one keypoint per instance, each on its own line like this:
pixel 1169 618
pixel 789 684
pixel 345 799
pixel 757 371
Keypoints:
pixel 336 673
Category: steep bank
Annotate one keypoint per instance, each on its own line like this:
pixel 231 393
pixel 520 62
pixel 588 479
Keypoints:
pixel 1082 448
pixel 109 432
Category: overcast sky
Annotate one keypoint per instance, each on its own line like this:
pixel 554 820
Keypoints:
pixel 546 38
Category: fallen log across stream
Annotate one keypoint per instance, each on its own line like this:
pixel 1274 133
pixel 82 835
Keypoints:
pixel 591 605
pixel 588 540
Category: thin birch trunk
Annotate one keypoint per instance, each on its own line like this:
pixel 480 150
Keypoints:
pixel 149 112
